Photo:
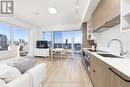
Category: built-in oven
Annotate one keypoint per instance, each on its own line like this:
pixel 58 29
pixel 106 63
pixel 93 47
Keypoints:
pixel 86 61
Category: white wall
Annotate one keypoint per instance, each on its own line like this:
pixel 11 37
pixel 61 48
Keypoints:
pixel 114 33
pixel 34 35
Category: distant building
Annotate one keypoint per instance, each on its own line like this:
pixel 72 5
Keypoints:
pixel 3 42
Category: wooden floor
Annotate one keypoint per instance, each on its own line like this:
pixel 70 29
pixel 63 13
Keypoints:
pixel 66 73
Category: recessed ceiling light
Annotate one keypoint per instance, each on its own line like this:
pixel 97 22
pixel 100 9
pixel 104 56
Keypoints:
pixel 52 10
pixel 77 7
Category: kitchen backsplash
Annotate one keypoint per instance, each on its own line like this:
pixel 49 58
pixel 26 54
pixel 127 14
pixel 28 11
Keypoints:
pixel 104 37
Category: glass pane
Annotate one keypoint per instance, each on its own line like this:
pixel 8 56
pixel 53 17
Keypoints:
pixel 21 40
pixel 57 39
pixel 47 37
pixel 4 36
pixel 77 41
pixel 67 40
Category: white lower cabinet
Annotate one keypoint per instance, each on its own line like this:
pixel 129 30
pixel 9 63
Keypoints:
pixel 41 52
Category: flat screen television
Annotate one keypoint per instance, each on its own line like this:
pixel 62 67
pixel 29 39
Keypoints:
pixel 41 44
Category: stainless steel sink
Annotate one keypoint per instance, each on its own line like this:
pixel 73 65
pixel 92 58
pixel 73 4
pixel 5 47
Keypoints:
pixel 96 50
pixel 105 54
pixel 109 55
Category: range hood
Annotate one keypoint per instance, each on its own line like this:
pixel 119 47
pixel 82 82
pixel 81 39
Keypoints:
pixel 115 21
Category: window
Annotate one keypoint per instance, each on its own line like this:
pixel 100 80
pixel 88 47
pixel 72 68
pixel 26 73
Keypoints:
pixel 21 40
pixel 77 41
pixel 67 40
pixel 4 36
pixel 70 40
pixel 10 35
pixel 57 39
pixel 47 36
pixel 20 36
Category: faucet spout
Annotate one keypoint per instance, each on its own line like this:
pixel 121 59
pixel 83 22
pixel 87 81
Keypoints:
pixel 122 53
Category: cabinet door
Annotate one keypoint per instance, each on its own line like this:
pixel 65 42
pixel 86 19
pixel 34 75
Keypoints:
pixel 99 73
pixel 106 11
pixel 116 81
pixel 128 84
pixel 93 71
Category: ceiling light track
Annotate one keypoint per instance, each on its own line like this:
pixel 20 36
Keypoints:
pixel 77 7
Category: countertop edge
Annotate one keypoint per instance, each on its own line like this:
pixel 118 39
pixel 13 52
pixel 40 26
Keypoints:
pixel 127 77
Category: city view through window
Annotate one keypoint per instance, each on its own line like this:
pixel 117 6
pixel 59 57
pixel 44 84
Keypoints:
pixel 71 40
pixel 21 40
pixel 4 37
pixel 13 36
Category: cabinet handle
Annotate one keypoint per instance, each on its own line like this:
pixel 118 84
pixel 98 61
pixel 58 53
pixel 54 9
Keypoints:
pixel 94 71
pixel 118 75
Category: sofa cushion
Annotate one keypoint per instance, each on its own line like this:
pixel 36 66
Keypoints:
pixel 8 73
pixel 2 83
pixel 24 65
pixel 24 80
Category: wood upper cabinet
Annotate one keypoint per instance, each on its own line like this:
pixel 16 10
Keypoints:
pixel 106 11
pixel 84 37
pixel 99 73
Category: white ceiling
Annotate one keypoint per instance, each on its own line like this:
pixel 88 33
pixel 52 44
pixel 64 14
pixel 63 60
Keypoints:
pixel 90 9
pixel 36 12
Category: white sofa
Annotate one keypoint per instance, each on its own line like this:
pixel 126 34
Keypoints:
pixel 34 77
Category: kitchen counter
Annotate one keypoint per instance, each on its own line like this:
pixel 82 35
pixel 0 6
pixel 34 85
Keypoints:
pixel 121 65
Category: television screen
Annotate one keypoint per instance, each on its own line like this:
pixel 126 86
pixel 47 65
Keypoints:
pixel 41 44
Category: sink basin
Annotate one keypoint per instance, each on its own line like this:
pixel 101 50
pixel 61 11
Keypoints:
pixel 96 50
pixel 105 54
pixel 110 56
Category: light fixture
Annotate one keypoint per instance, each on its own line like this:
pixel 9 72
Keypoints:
pixel 77 7
pixel 52 10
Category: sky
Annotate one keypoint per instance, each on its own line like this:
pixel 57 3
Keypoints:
pixel 19 33
pixel 59 36
pixel 47 36
pixel 77 37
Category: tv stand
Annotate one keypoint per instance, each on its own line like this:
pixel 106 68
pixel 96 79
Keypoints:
pixel 41 52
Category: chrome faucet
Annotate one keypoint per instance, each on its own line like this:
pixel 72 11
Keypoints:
pixel 122 53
